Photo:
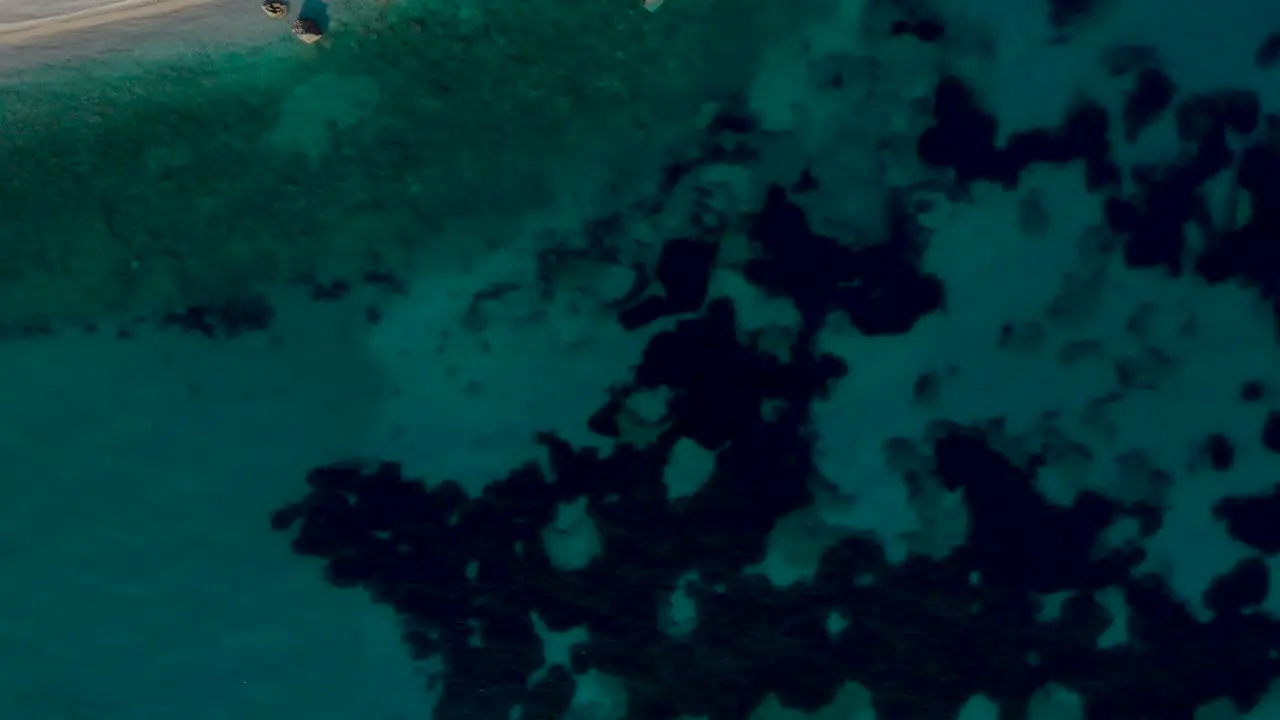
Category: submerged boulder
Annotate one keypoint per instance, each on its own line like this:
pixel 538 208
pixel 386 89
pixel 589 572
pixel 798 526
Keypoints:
pixel 308 31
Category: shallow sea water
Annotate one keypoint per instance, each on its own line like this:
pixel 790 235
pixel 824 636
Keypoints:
pixel 185 171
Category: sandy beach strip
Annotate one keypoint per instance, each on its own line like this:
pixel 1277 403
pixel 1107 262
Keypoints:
pixel 123 11
pixel 127 32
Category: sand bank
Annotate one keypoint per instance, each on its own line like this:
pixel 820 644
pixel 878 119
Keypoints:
pixel 39 34
pixel 89 17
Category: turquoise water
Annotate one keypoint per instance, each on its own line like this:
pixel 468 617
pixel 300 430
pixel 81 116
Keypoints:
pixel 141 186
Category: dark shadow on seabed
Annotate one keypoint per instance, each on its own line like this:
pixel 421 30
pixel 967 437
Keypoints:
pixel 316 11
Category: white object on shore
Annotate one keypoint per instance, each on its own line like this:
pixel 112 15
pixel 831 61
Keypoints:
pixel 308 31
pixel 275 8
